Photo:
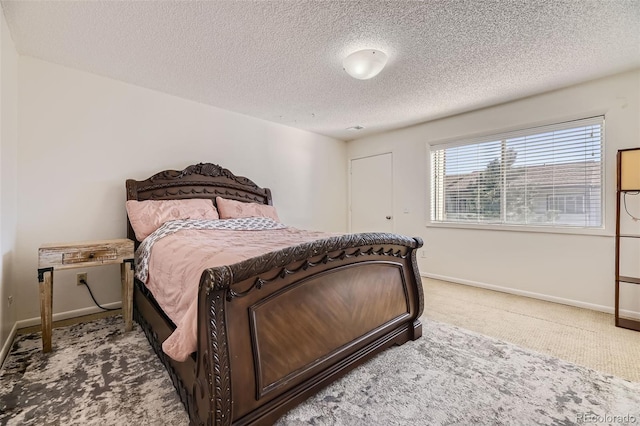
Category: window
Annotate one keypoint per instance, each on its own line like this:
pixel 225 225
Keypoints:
pixel 545 176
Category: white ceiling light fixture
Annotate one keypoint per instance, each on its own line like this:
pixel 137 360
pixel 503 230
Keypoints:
pixel 365 64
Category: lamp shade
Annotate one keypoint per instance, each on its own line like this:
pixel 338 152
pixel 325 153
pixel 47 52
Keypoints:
pixel 365 64
pixel 630 169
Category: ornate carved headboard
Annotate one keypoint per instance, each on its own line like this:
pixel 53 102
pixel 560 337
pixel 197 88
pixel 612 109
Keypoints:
pixel 203 180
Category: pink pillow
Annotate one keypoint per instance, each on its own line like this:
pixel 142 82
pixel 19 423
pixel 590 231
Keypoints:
pixel 231 209
pixel 147 216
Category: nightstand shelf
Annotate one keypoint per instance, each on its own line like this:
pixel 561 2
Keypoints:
pixel 57 257
pixel 631 280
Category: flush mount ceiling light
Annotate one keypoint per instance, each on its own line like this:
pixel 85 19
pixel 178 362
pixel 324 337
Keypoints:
pixel 364 64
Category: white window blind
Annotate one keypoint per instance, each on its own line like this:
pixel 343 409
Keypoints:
pixel 544 176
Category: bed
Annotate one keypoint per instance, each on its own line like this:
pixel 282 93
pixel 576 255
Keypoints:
pixel 274 329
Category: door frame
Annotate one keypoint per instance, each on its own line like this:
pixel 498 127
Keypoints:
pixel 350 172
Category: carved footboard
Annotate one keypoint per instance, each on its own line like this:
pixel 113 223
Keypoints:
pixel 274 329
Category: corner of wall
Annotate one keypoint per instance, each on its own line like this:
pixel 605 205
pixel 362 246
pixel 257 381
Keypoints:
pixel 8 183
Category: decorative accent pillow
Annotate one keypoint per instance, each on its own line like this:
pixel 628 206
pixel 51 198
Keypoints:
pixel 231 209
pixel 147 216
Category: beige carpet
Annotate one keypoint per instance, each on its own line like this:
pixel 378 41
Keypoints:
pixel 581 336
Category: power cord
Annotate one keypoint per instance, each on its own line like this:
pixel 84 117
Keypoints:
pixel 624 198
pixel 83 281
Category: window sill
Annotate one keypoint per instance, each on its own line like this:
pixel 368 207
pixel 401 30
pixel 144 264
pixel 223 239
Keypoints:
pixel 596 232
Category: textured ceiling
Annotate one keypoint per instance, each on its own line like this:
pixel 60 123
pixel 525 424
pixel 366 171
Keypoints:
pixel 282 60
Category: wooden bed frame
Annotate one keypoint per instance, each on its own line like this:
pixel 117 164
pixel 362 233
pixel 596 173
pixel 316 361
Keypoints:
pixel 274 329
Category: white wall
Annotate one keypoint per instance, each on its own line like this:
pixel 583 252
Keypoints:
pixel 82 135
pixel 8 180
pixel 573 269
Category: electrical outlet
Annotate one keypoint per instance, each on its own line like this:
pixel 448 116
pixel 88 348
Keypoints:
pixel 10 300
pixel 81 277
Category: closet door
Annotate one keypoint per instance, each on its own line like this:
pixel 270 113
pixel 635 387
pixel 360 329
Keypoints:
pixel 371 195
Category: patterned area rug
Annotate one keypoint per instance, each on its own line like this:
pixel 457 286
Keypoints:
pixel 97 374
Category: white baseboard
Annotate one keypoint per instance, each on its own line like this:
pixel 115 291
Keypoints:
pixel 541 296
pixel 69 314
pixel 7 344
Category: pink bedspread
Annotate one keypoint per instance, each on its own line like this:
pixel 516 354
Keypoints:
pixel 177 261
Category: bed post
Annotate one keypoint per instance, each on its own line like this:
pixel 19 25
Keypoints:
pixel 417 324
pixel 212 388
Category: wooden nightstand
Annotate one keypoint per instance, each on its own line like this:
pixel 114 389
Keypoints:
pixel 56 257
